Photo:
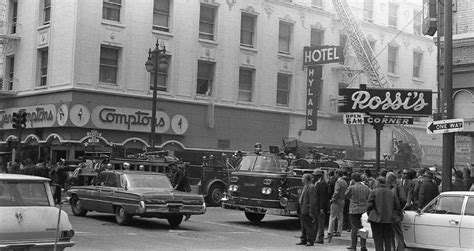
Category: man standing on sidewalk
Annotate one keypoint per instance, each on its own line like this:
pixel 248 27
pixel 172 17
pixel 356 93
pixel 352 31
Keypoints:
pixel 307 212
pixel 337 206
pixel 321 188
pixel 358 194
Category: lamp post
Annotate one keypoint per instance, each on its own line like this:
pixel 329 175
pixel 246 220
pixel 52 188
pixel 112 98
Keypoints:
pixel 157 59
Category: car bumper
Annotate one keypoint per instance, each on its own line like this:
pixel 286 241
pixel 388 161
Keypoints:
pixel 174 210
pixel 35 245
pixel 260 210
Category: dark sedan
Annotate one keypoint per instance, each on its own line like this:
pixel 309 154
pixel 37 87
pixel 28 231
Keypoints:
pixel 130 193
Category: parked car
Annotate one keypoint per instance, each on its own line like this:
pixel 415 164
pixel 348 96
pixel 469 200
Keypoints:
pixel 28 216
pixel 129 193
pixel 447 222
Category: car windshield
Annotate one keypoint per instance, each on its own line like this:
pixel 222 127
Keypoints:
pixel 23 193
pixel 262 163
pixel 148 181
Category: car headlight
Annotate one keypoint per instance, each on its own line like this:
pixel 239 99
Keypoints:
pixel 266 190
pixel 284 201
pixel 233 188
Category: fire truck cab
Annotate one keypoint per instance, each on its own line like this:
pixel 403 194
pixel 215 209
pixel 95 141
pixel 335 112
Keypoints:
pixel 266 183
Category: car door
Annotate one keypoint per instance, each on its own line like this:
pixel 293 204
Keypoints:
pixel 107 192
pixel 438 224
pixel 467 224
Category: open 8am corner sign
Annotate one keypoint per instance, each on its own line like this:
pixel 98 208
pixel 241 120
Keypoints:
pixel 445 126
pixel 386 101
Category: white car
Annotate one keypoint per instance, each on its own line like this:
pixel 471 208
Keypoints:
pixel 446 223
pixel 28 216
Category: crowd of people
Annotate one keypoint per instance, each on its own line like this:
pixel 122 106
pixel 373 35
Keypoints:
pixel 347 196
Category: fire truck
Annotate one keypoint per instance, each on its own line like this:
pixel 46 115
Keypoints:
pixel 209 179
pixel 270 183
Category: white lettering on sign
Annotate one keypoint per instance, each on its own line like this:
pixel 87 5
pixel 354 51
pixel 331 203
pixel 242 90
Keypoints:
pixel 353 118
pixel 363 100
pixel 388 120
pixel 324 54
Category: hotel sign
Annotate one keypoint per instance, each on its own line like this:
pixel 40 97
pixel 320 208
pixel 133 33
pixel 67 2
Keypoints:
pixel 315 55
pixel 386 101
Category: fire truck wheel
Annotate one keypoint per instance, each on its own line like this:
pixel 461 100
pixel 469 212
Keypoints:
pixel 254 217
pixel 214 195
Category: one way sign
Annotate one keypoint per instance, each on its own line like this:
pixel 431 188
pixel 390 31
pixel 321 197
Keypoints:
pixel 445 126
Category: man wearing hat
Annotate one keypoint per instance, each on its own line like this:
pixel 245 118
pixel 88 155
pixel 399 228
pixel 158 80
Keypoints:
pixel 126 166
pixel 428 190
pixel 322 203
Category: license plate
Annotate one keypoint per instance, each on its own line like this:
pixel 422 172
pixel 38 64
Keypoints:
pixel 174 209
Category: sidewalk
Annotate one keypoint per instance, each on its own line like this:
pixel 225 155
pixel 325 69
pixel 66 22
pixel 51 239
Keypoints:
pixel 345 239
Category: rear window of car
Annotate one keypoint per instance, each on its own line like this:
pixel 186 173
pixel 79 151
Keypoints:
pixel 21 193
pixel 148 181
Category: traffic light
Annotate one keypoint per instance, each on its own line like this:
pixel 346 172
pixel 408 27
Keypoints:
pixel 23 120
pixel 16 120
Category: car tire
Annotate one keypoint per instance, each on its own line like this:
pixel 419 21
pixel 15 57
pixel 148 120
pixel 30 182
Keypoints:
pixel 121 217
pixel 175 220
pixel 76 208
pixel 254 217
pixel 214 195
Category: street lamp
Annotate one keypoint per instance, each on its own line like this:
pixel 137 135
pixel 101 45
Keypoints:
pixel 157 59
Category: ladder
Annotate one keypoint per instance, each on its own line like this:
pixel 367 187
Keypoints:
pixel 361 45
pixel 356 142
pixel 367 59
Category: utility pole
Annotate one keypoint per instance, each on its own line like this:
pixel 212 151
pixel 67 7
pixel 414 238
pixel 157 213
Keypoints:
pixel 448 138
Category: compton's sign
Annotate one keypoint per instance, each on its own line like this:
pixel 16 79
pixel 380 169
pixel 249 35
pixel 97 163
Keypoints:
pixel 386 101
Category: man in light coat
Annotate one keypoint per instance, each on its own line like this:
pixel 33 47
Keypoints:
pixel 337 206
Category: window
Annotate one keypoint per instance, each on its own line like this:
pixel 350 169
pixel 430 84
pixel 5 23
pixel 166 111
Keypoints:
pixel 369 10
pixel 245 84
pixel 283 89
pixel 205 76
pixel 417 22
pixel 207 21
pixel 392 59
pixel 417 64
pixel 317 3
pixel 43 71
pixel 161 15
pixel 470 206
pixel 11 72
pixel 111 10
pixel 162 82
pixel 46 11
pixel 108 65
pixel 392 15
pixel 446 205
pixel 317 37
pixel 14 17
pixel 113 180
pixel 284 37
pixel 247 30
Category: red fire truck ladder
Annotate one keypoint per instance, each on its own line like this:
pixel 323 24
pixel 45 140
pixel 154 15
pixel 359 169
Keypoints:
pixel 367 59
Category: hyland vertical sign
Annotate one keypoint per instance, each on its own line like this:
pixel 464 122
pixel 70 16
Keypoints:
pixel 386 101
pixel 316 55
pixel 314 81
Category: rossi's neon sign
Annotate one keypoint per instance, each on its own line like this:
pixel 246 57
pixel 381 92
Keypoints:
pixel 392 101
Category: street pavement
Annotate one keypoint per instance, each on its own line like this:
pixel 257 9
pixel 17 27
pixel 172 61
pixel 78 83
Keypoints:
pixel 218 229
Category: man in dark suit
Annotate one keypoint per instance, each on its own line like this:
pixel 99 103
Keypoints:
pixel 428 190
pixel 322 204
pixel 307 207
